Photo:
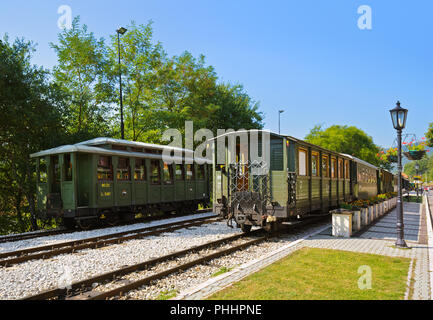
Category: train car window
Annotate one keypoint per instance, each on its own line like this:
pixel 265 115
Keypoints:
pixel 277 155
pixel 67 167
pixel 190 172
pixel 200 172
pixel 180 172
pixel 325 166
pixel 43 172
pixel 314 164
pixel 105 168
pixel 155 172
pixel 340 169
pixel 123 169
pixel 167 174
pixel 136 149
pixel 140 170
pixel 302 156
pixel 333 168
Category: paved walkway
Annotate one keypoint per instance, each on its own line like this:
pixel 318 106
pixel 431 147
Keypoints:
pixel 378 238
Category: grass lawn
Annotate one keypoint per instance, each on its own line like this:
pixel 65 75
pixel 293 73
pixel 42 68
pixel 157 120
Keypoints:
pixel 321 274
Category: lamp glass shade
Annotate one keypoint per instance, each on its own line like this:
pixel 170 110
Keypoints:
pixel 402 118
pixel 398 116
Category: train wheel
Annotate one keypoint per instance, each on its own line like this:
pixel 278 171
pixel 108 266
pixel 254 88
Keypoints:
pixel 86 224
pixel 246 228
pixel 112 219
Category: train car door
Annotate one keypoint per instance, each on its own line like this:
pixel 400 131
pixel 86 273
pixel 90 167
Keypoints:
pixel 55 174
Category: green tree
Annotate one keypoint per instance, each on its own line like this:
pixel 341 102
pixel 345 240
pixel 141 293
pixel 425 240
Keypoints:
pixel 429 135
pixel 235 109
pixel 32 110
pixel 349 140
pixel 425 168
pixel 81 74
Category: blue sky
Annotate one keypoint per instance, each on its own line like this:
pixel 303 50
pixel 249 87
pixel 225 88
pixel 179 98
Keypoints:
pixel 306 57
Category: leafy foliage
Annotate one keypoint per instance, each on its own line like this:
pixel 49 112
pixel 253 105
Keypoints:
pixel 349 140
pixel 81 74
pixel 429 135
pixel 32 119
pixel 425 168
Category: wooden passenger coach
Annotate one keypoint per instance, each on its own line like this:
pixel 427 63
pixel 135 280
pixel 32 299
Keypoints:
pixel 116 179
pixel 303 179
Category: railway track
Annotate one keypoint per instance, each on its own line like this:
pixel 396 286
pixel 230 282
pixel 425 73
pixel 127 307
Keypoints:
pixel 85 290
pixel 53 232
pixel 32 235
pixel 48 251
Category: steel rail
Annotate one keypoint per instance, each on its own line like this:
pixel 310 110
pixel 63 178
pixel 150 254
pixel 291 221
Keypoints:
pixel 47 251
pixel 32 235
pixel 72 292
pixel 63 293
pixel 119 291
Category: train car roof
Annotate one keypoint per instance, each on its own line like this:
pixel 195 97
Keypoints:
pixel 360 161
pixel 127 143
pixel 84 148
pixel 281 136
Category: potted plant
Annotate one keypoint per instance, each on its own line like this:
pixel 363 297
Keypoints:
pixel 356 215
pixel 362 206
pixel 382 199
pixel 415 151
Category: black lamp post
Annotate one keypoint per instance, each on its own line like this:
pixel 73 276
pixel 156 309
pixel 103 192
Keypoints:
pixel 417 185
pixel 279 113
pixel 399 116
pixel 120 31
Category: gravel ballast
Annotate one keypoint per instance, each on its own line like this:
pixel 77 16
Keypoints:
pixel 35 276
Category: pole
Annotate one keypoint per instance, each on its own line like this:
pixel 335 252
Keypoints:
pixel 279 115
pixel 400 225
pixel 122 128
pixel 417 186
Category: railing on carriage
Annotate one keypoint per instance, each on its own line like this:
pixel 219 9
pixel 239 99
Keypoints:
pixel 249 184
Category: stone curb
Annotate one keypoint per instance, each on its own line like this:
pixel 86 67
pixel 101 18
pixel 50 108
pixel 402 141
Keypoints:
pixel 430 242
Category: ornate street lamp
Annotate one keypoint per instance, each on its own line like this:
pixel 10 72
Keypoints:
pixel 279 113
pixel 399 116
pixel 121 31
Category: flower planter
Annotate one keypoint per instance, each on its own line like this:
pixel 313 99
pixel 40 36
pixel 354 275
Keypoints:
pixel 364 217
pixel 376 211
pixel 392 158
pixel 385 206
pixel 341 223
pixel 356 220
pixel 415 154
pixel 371 213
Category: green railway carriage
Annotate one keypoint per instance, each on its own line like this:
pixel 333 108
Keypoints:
pixel 302 180
pixel 110 179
